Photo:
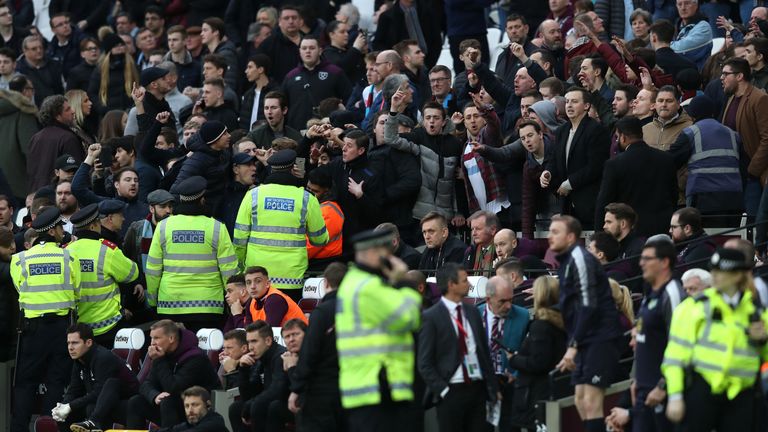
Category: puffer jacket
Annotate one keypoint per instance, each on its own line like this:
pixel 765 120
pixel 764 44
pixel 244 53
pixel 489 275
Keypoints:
pixel 117 98
pixel 439 157
pixel 18 123
pixel 211 164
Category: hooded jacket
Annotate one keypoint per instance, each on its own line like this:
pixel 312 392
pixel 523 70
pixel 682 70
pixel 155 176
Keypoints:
pixel 547 112
pixel 18 123
pixel 211 164
pixel 177 371
pixel 228 50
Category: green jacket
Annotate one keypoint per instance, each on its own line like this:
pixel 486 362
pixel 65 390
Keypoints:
pixel 18 122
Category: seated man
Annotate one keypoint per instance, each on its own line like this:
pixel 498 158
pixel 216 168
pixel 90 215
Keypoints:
pixel 263 383
pixel 269 303
pixel 293 333
pixel 442 247
pixel 177 364
pixel 235 346
pixel 200 416
pixel 239 302
pixel 100 380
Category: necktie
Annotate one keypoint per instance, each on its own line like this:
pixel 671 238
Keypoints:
pixel 495 335
pixel 462 344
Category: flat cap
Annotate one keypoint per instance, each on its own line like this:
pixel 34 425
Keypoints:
pixel 191 189
pixel 151 74
pixel 242 159
pixel 211 131
pixel 726 259
pixel 111 206
pixel 85 216
pixel 282 160
pixel 371 239
pixel 159 196
pixel 66 162
pixel 47 219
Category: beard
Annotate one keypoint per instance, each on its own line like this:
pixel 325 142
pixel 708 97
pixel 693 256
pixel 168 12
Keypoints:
pixel 67 207
pixel 159 218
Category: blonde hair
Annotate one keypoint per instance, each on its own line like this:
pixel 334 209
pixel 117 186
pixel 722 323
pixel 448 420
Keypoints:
pixel 623 299
pixel 130 76
pixel 75 98
pixel 546 293
pixel 743 280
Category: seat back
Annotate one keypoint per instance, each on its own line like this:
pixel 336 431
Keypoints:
pixel 128 345
pixel 314 288
pixel 307 305
pixel 211 341
pixel 46 424
pixel 277 334
pixel 146 366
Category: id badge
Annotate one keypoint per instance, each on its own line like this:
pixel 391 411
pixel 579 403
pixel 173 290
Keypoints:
pixel 473 367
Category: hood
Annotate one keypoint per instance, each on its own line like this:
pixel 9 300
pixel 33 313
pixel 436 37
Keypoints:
pixel 547 113
pixel 187 346
pixel 187 58
pixel 12 101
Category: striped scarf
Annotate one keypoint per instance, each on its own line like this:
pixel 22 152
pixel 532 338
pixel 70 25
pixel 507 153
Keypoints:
pixel 479 171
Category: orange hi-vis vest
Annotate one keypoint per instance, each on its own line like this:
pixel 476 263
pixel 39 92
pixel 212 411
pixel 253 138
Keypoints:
pixel 294 311
pixel 334 222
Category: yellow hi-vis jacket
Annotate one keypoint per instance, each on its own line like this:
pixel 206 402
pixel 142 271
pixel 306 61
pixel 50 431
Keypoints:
pixel 272 228
pixel 710 337
pixel 189 262
pixel 102 267
pixel 374 325
pixel 47 278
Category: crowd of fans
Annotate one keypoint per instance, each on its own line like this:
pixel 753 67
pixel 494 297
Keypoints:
pixel 636 120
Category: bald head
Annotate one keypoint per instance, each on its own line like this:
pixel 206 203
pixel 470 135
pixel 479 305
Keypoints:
pixel 760 13
pixel 499 294
pixel 505 242
pixel 388 62
pixel 549 31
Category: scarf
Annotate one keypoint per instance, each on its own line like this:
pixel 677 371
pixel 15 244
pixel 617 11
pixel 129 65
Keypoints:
pixel 484 257
pixel 484 190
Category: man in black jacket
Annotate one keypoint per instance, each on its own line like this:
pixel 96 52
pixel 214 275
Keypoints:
pixel 177 364
pixel 213 105
pixel 582 147
pixel 80 75
pixel 315 380
pixel 442 247
pixel 252 105
pixel 199 415
pixel 283 45
pixel 100 380
pixel 662 33
pixel 44 74
pixel 454 357
pixel 626 179
pixel 263 382
pixel 693 245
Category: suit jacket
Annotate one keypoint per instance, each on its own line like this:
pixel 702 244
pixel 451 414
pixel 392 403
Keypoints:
pixel 752 127
pixel 438 353
pixel 514 328
pixel 652 193
pixel 589 151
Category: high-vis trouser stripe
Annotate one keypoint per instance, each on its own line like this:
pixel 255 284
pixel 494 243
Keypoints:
pixel 104 323
pixel 189 304
pixel 48 306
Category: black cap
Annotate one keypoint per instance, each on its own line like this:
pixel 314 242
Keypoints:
pixel 159 196
pixel 66 162
pixel 371 239
pixel 47 219
pixel 242 159
pixel 110 41
pixel 726 259
pixel 151 74
pixel 191 189
pixel 111 206
pixel 283 160
pixel 85 216
pixel 701 107
pixel 211 131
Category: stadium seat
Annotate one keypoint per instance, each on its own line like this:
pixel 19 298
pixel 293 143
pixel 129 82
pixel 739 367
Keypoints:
pixel 46 424
pixel 307 305
pixel 717 45
pixel 211 341
pixel 313 291
pixel 277 334
pixel 128 345
pixel 146 366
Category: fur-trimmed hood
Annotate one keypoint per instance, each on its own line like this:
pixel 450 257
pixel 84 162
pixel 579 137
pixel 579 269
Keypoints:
pixel 11 101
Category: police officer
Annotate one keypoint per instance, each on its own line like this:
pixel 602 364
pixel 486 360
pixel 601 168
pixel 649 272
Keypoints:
pixel 112 218
pixel 274 222
pixel 716 344
pixel 190 259
pixel 657 261
pixel 102 267
pixel 48 280
pixel 374 325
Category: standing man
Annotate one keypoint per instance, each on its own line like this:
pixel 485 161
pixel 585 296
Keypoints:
pixel 100 381
pixel 190 259
pixel 591 319
pixel 45 75
pixel 243 178
pixel 102 267
pixel 275 111
pixel 252 105
pixel 652 194
pixel 149 98
pixel 47 278
pixel 213 105
pixel 272 223
pixel 283 44
pixel 376 382
pixel 516 27
pixel 651 334
pixel 188 68
pixel 582 147
pixel 454 360
pixel 213 33
pixel 63 47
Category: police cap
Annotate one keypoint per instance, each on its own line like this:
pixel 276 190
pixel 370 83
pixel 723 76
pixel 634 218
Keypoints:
pixel 282 160
pixel 47 219
pixel 85 216
pixel 191 189
pixel 111 206
pixel 726 259
pixel 371 239
pixel 159 196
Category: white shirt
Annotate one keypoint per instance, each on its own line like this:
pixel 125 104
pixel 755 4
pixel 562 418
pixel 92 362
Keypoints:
pixel 255 108
pixel 458 375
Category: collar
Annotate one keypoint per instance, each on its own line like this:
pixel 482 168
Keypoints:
pixel 733 301
pixel 489 312
pixel 88 234
pixel 451 305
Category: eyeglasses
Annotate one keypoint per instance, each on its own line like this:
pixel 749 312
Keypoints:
pixel 675 226
pixel 93 48
pixel 724 73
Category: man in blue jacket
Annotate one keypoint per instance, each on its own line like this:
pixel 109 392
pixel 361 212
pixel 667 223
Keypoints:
pixel 591 320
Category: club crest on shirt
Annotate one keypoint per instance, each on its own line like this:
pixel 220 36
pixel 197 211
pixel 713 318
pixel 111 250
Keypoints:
pixel 323 75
